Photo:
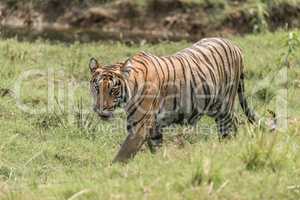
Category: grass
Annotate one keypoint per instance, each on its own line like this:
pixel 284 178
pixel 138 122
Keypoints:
pixel 66 152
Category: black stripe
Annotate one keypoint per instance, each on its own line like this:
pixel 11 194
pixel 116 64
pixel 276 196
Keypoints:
pixel 161 68
pixel 217 66
pixel 142 92
pixel 149 58
pixel 192 82
pixel 174 83
pixel 205 88
pixel 224 49
pixel 168 70
pixel 182 67
pixel 207 63
pixel 222 68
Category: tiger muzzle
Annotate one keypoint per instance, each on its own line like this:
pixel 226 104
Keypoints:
pixel 104 114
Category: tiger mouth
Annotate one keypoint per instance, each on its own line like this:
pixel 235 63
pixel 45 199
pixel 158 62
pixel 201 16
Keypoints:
pixel 105 116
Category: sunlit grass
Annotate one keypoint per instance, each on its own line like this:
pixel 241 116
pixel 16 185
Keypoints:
pixel 66 152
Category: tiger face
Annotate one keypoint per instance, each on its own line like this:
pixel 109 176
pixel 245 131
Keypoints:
pixel 107 88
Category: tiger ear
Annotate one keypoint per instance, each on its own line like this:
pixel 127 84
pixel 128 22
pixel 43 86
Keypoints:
pixel 127 67
pixel 93 65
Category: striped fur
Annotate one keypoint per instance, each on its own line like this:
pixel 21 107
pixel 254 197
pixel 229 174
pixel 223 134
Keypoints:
pixel 203 79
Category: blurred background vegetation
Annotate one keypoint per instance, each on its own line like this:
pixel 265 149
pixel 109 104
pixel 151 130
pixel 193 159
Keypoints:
pixel 151 20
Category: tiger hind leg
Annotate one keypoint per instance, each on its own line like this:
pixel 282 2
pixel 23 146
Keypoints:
pixel 227 125
pixel 155 140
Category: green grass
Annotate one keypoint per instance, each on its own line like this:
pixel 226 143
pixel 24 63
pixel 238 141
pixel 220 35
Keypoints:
pixel 66 154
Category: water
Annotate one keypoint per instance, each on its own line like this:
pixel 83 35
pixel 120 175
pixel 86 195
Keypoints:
pixel 82 35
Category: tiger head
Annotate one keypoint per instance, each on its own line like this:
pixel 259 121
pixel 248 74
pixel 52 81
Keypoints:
pixel 108 86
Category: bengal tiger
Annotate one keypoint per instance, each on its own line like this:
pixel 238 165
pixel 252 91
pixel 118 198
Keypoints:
pixel 157 91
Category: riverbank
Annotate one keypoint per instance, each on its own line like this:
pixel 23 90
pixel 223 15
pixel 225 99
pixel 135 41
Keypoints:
pixel 153 20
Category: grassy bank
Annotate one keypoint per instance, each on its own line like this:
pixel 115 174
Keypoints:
pixel 153 20
pixel 66 153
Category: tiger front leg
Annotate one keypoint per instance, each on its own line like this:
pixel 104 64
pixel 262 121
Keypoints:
pixel 135 139
pixel 155 140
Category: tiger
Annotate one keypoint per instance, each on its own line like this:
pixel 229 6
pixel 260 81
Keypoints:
pixel 158 91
